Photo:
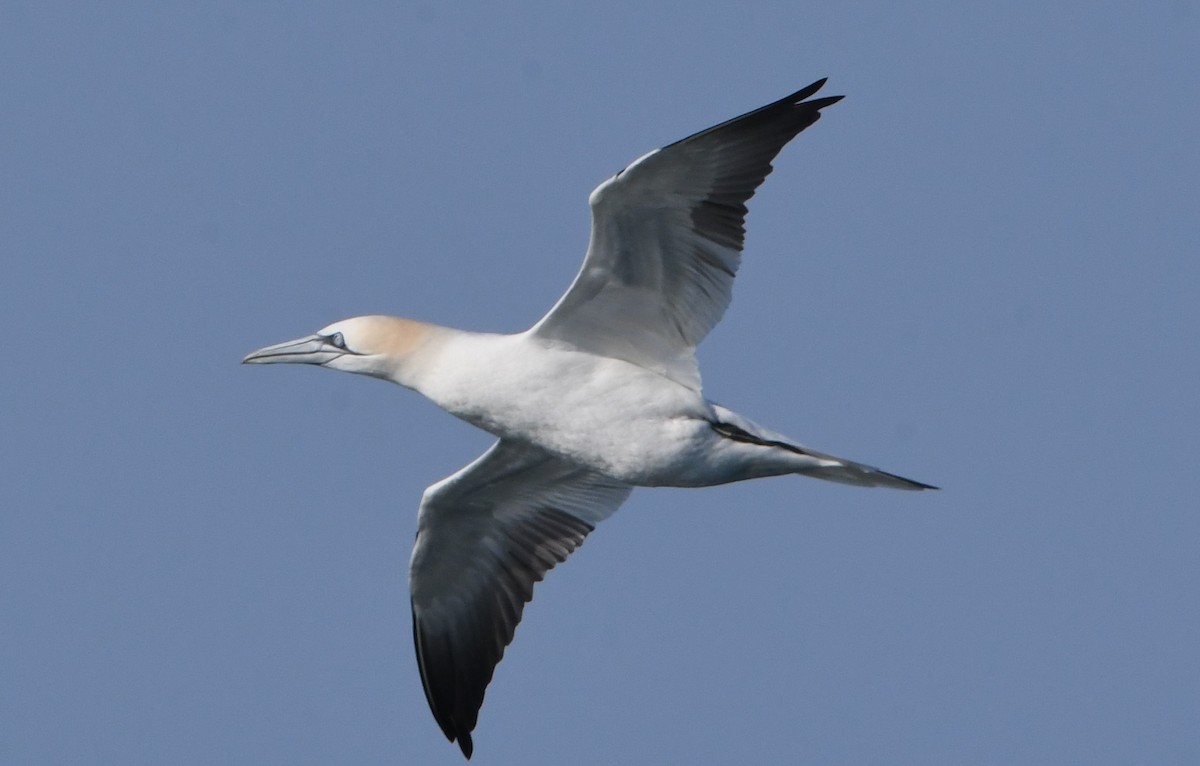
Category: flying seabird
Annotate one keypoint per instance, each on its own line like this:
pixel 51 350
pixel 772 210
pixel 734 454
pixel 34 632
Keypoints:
pixel 601 395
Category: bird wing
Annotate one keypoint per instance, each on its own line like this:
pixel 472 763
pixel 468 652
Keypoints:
pixel 484 536
pixel 667 237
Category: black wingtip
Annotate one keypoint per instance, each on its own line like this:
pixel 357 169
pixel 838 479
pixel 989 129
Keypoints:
pixel 804 93
pixel 820 103
pixel 797 99
pixel 468 747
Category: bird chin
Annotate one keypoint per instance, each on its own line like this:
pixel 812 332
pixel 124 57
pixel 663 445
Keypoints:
pixel 361 364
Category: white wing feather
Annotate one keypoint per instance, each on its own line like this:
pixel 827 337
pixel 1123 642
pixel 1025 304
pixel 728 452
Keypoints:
pixel 667 237
pixel 484 537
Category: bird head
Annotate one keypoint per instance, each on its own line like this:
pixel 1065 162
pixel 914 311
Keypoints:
pixel 368 345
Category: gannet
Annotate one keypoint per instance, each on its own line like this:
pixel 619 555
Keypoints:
pixel 601 395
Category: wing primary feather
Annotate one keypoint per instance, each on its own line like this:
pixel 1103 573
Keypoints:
pixel 457 665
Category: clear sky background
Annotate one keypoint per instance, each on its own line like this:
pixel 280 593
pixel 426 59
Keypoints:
pixel 979 270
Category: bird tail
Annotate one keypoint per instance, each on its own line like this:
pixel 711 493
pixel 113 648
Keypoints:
pixel 809 462
pixel 845 471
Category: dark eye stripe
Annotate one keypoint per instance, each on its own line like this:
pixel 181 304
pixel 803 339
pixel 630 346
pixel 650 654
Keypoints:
pixel 337 340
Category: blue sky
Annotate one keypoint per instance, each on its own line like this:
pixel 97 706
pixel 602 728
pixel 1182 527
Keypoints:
pixel 979 270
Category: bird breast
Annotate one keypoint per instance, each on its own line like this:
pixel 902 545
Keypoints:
pixel 622 420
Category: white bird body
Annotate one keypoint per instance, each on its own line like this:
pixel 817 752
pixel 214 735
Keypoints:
pixel 629 423
pixel 624 421
pixel 602 395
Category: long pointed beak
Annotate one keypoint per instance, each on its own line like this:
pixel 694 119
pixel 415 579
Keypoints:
pixel 314 349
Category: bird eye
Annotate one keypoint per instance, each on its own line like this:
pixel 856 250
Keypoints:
pixel 337 340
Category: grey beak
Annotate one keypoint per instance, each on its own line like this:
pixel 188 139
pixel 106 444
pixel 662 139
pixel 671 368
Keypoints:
pixel 314 349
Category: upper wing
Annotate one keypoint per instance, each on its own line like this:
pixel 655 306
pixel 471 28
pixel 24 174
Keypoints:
pixel 484 536
pixel 667 236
